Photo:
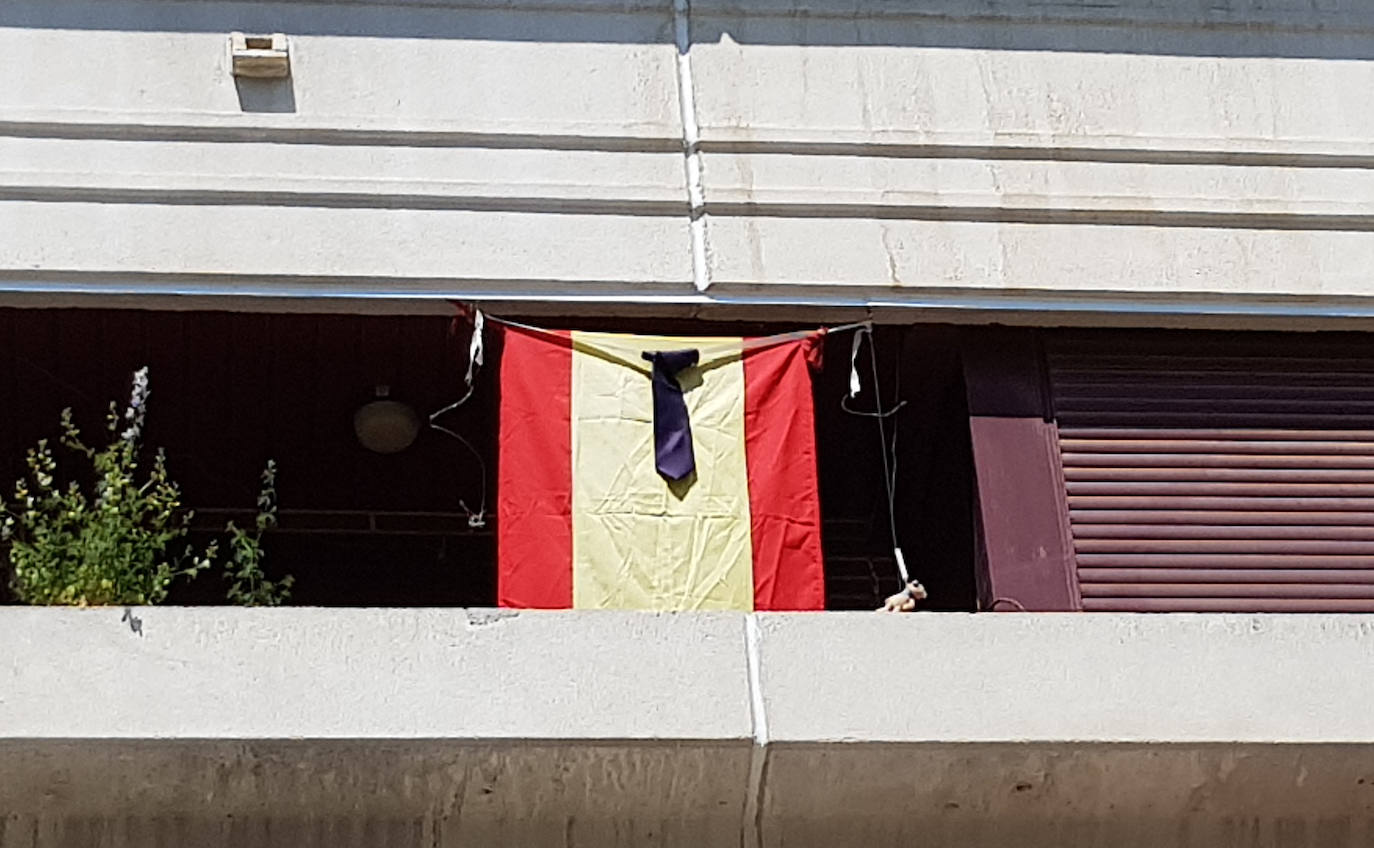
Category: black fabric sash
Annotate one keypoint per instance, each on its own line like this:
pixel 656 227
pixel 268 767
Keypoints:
pixel 673 456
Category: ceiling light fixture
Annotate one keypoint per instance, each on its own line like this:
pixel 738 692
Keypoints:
pixel 384 425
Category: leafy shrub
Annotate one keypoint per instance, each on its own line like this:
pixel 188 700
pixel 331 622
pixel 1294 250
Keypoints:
pixel 249 586
pixel 114 545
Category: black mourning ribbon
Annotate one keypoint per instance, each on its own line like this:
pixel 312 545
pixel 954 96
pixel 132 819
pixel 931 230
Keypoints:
pixel 673 455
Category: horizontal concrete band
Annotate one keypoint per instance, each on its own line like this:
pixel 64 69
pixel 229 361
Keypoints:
pixel 227 673
pixel 220 726
pixel 558 300
pixel 444 793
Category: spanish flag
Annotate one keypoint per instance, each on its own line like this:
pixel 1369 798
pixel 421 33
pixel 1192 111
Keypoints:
pixel 658 473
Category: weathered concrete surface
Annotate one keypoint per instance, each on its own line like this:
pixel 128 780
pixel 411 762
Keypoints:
pixel 1070 795
pixel 438 792
pixel 370 674
pixel 1069 677
pixel 223 727
pixel 425 149
pixel 441 793
pixel 1170 161
pixel 519 67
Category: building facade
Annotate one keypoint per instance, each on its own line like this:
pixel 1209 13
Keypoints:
pixel 1116 255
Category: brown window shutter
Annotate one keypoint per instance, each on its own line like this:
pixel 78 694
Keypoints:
pixel 1218 472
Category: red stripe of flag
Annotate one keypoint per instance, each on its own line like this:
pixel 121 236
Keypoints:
pixel 534 483
pixel 784 494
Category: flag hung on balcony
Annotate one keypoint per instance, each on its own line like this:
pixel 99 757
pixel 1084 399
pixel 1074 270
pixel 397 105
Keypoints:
pixel 648 472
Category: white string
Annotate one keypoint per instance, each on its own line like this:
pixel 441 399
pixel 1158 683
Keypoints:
pixel 475 356
pixel 475 345
pixel 475 350
pixel 889 455
pixel 854 384
pixel 476 519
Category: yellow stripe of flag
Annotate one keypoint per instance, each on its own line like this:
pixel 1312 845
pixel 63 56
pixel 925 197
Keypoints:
pixel 638 541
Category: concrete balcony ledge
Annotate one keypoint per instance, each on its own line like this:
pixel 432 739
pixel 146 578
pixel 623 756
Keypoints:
pixel 220 726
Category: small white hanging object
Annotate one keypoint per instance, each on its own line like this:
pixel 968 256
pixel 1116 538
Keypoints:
pixel 476 520
pixel 475 349
pixel 854 362
pixel 912 592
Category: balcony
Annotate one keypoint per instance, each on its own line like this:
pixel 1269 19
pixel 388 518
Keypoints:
pixel 212 726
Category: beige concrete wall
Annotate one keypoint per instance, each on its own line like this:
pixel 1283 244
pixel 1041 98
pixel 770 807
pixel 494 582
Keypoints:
pixel 432 149
pixel 1140 157
pixel 230 673
pixel 1132 150
pixel 216 726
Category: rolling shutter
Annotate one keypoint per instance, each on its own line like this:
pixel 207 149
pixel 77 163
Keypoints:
pixel 1216 472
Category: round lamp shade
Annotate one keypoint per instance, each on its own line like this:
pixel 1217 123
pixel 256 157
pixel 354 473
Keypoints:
pixel 386 426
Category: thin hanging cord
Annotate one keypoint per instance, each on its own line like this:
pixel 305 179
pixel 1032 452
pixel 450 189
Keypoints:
pixel 475 355
pixel 457 403
pixel 897 390
pixel 854 385
pixel 478 518
pixel 888 477
pixel 880 415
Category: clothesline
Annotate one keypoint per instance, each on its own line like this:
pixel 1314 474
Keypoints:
pixel 607 345
pixel 479 318
pixel 754 343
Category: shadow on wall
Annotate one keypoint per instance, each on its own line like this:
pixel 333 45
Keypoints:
pixel 266 95
pixel 1339 30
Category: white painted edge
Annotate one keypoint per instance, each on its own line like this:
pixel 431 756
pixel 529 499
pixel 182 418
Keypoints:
pixel 758 757
pixel 691 137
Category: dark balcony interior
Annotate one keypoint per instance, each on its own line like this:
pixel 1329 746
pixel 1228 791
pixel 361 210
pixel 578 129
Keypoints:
pixel 231 390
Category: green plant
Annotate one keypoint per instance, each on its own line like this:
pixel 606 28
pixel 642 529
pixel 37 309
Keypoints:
pixel 114 545
pixel 248 584
pixel 108 547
